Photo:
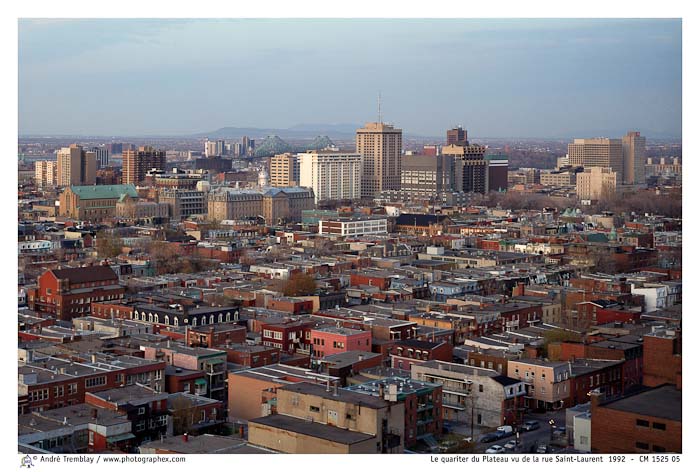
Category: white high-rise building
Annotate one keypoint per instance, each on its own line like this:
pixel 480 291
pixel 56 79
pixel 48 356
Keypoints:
pixel 214 148
pixel 333 175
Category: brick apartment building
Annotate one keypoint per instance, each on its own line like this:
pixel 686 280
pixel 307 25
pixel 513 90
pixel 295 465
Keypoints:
pixel 405 353
pixel 147 409
pixel 646 422
pixel 334 340
pixel 422 404
pixel 216 336
pixel 288 335
pixel 251 356
pixel 662 357
pixel 54 383
pixel 68 293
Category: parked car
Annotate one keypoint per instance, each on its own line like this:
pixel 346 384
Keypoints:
pixel 507 430
pixel 490 437
pixel 530 425
pixel 495 449
pixel 542 449
pixel 510 445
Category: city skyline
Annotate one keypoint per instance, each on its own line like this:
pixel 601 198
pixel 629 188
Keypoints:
pixel 473 74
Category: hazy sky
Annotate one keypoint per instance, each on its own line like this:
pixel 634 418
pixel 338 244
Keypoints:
pixel 498 78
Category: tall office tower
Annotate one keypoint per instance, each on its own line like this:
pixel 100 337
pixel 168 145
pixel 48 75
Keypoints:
pixel 101 155
pixel 139 161
pixel 424 177
pixel 45 173
pixel 379 145
pixel 457 136
pixel 595 183
pixel 247 146
pixel 333 175
pixel 471 168
pixel 634 151
pixel 88 168
pixel 75 166
pixel 238 150
pixel 597 152
pixel 498 172
pixel 284 170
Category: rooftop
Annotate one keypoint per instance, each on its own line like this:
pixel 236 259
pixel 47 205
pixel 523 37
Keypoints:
pixel 317 430
pixel 664 401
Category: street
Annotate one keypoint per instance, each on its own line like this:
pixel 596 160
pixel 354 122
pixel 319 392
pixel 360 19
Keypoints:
pixel 529 440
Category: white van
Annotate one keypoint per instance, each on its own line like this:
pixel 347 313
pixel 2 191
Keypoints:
pixel 508 430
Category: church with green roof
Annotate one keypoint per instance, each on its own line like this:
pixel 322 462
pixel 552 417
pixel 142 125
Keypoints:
pixel 93 202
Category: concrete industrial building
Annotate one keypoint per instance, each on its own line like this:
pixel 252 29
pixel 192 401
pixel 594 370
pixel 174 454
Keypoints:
pixel 380 146
pixel 333 175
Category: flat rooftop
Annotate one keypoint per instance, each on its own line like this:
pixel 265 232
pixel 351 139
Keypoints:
pixel 345 396
pixel 661 402
pixel 317 430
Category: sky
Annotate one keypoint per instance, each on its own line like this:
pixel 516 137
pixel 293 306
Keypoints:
pixel 553 78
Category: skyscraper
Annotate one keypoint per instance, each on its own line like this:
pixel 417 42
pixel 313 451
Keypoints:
pixel 597 152
pixel 634 155
pixel 333 175
pixel 101 156
pixel 137 162
pixel 75 166
pixel 45 173
pixel 214 148
pixel 379 145
pixel 471 168
pixel 457 136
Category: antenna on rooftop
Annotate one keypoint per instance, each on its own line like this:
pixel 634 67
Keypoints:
pixel 379 107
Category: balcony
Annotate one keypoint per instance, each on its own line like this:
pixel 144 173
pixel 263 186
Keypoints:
pixel 425 407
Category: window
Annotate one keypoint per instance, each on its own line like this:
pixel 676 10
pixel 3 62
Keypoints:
pixel 661 426
pixel 658 449
pixel 481 388
pixel 583 440
pixel 58 392
pixel 642 445
pixel 72 388
pixel 142 410
pixel 141 425
pixel 478 418
pixel 643 423
pixel 91 438
pixel 314 409
pixel 95 381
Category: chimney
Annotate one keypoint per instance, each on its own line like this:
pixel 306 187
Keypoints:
pixel 185 438
pixel 335 389
pixel 596 398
